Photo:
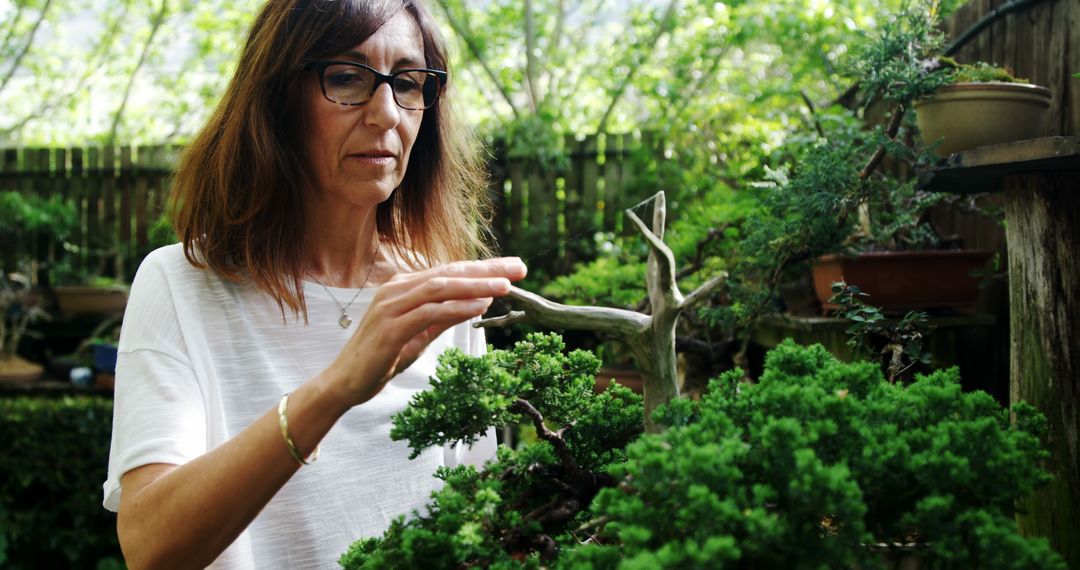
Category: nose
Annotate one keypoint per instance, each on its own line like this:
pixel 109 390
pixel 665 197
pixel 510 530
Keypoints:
pixel 381 110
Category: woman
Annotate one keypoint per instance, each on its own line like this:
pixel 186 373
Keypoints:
pixel 318 209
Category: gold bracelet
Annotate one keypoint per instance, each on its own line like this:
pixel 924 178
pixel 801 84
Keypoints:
pixel 283 421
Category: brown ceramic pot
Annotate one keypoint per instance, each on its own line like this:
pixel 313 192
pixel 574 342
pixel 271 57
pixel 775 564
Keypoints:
pixel 905 280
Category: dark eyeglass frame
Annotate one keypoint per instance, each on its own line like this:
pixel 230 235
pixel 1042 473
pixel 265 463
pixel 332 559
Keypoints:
pixel 319 67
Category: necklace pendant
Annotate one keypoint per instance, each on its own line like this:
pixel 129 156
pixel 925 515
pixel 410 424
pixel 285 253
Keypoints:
pixel 344 321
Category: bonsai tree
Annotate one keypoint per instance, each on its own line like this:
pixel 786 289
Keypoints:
pixel 22 219
pixel 819 464
pixel 527 502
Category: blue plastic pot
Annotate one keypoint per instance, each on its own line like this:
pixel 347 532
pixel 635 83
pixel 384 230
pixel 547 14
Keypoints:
pixel 104 358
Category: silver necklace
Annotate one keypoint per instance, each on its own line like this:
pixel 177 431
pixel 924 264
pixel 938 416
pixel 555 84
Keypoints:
pixel 344 319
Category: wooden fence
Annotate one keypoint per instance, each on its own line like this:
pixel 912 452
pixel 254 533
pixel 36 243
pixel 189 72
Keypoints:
pixel 117 194
pixel 549 214
pixel 540 211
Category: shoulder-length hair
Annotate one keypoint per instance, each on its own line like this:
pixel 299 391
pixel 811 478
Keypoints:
pixel 238 191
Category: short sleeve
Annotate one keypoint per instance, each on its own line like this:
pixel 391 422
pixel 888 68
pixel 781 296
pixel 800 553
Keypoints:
pixel 159 414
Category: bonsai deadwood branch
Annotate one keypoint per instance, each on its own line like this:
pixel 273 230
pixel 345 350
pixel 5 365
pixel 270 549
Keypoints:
pixel 664 257
pixel 540 311
pixel 651 338
pixel 705 289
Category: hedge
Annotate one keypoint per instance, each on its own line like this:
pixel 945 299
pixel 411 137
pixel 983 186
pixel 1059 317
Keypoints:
pixel 55 460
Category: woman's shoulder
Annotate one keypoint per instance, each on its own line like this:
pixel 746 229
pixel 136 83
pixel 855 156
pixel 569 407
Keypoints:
pixel 170 264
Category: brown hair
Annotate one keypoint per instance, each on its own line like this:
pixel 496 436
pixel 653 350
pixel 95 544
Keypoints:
pixel 239 185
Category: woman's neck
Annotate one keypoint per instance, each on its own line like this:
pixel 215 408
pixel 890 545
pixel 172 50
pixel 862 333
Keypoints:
pixel 342 248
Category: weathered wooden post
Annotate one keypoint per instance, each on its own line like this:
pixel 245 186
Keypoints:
pixel 1041 182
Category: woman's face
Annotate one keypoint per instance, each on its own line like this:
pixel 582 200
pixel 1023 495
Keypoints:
pixel 357 155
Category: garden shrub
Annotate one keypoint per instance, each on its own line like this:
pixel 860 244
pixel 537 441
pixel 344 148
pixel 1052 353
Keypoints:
pixel 55 458
pixel 817 460
pixel 807 468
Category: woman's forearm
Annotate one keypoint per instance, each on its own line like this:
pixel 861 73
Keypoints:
pixel 186 516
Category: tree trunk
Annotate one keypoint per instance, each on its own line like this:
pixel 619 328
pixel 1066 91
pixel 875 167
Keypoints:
pixel 1043 213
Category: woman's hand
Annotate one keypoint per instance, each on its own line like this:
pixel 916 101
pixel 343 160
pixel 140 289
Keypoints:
pixel 411 310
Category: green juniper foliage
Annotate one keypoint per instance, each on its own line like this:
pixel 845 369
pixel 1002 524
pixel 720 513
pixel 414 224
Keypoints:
pixel 818 459
pixel 526 502
pixel 804 469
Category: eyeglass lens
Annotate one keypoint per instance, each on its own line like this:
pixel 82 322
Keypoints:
pixel 349 85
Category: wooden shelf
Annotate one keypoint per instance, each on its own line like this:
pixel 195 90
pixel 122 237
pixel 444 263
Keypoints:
pixel 982 169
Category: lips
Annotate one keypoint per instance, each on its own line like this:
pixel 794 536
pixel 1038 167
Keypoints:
pixel 374 154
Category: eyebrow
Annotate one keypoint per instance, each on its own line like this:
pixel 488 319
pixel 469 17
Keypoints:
pixel 400 63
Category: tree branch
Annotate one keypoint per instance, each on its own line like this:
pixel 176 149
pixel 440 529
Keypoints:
pixel 26 46
pixel 155 24
pixel 699 254
pixel 92 67
pixel 474 49
pixel 705 289
pixel 891 131
pixel 663 29
pixel 12 25
pixel 531 74
pixel 664 257
pixel 991 17
pixel 545 313
pixel 554 438
pixel 813 113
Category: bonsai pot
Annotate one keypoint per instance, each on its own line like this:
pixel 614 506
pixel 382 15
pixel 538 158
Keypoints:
pixel 629 378
pixel 904 280
pixel 967 115
pixel 17 370
pixel 74 301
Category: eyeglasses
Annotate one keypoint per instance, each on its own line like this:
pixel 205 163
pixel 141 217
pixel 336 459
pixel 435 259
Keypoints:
pixel 349 83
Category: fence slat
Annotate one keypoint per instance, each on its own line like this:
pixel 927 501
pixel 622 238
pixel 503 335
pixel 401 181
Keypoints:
pixel 517 201
pixel 590 173
pixel 41 188
pixel 77 185
pixel 109 216
pixel 142 188
pixel 126 182
pixel 613 205
pixel 574 203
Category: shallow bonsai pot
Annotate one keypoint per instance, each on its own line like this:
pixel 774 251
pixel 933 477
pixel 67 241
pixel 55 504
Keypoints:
pixel 967 115
pixel 74 301
pixel 904 280
pixel 18 370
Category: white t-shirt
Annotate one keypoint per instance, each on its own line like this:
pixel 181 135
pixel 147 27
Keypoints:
pixel 201 358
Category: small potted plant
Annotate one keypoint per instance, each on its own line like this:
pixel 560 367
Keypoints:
pixel 982 105
pixel 892 251
pixel 23 219
pixel 101 296
pixel 899 259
